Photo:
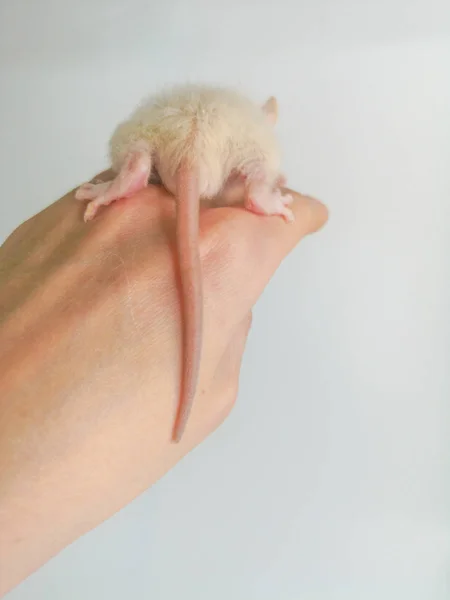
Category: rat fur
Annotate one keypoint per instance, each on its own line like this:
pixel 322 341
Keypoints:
pixel 197 138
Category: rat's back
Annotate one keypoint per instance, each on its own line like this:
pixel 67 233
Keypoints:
pixel 217 130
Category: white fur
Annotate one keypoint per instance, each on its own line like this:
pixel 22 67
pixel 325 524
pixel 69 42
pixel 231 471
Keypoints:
pixel 219 131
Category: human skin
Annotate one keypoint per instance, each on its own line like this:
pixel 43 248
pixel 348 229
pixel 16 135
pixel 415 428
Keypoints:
pixel 90 356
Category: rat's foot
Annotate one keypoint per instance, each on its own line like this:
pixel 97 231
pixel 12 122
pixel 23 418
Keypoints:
pixel 90 191
pixel 132 178
pixel 94 205
pixel 262 199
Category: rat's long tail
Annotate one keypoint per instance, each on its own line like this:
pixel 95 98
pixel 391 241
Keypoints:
pixel 191 289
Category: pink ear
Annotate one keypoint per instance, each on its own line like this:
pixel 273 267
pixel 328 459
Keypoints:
pixel 271 110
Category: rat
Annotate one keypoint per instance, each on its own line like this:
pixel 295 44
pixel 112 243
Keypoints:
pixel 197 139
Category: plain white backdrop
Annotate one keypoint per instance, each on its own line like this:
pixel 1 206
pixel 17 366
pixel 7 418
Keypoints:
pixel 331 478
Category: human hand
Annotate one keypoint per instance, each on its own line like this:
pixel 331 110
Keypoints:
pixel 90 352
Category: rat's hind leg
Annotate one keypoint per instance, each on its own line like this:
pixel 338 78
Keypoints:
pixel 132 177
pixel 264 198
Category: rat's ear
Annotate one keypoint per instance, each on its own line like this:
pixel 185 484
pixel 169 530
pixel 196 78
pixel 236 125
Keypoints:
pixel 270 108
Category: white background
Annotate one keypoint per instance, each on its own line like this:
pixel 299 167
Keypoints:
pixel 331 479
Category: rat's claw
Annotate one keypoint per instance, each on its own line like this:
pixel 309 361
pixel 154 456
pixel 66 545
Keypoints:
pixel 91 210
pixel 285 201
pixel 287 215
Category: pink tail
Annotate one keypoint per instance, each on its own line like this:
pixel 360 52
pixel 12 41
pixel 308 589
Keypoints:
pixel 191 289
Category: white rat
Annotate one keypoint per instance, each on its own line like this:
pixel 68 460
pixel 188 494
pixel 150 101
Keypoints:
pixel 197 138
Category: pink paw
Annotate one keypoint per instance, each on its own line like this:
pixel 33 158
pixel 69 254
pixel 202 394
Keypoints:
pixel 90 191
pixel 98 194
pixel 132 177
pixel 263 200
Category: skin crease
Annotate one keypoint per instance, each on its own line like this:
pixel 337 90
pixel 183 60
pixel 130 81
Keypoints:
pixel 90 355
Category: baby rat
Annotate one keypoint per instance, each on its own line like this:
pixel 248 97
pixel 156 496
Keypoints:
pixel 197 139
